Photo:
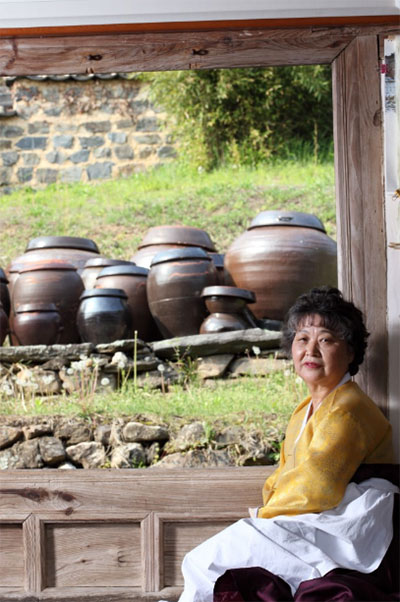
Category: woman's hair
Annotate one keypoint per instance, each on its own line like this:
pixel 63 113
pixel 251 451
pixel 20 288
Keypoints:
pixel 338 315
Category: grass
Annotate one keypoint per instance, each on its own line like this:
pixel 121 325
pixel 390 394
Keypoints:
pixel 116 214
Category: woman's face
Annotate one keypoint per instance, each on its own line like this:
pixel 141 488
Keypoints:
pixel 320 358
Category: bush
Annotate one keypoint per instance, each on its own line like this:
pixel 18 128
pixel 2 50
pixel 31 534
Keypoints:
pixel 245 116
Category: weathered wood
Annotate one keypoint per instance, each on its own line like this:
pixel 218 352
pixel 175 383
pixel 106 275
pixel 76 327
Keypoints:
pixel 360 200
pixel 106 535
pixel 173 50
pixel 200 345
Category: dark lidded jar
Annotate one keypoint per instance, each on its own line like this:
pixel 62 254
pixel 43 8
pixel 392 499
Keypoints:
pixel 104 316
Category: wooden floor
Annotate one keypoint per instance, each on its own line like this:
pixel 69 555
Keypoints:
pixel 112 535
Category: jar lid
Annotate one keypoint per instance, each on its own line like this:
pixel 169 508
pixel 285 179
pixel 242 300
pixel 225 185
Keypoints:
pixel 177 235
pixel 228 291
pixel 47 265
pixel 62 242
pixel 180 254
pixel 95 262
pixel 287 218
pixel 103 292
pixel 3 277
pixel 123 270
pixel 37 306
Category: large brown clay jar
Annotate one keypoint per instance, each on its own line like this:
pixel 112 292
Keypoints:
pixel 228 309
pixel 4 326
pixel 133 280
pixel 162 238
pixel 174 286
pixel 72 249
pixel 37 324
pixel 4 292
pixel 52 282
pixel 95 265
pixel 104 316
pixel 282 255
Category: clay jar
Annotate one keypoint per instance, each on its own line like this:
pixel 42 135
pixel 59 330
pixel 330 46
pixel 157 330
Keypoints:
pixel 132 279
pixel 4 326
pixel 282 255
pixel 72 249
pixel 51 282
pixel 104 316
pixel 37 324
pixel 161 238
pixel 4 293
pixel 218 260
pixel 95 265
pixel 174 285
pixel 228 309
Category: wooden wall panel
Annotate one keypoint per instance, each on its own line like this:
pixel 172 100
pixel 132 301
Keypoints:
pixel 360 200
pixel 11 556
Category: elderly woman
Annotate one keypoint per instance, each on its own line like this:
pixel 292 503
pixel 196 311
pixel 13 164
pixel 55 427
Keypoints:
pixel 313 520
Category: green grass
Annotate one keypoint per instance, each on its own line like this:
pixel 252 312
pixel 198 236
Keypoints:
pixel 116 214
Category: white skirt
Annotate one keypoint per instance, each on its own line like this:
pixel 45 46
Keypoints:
pixel 354 535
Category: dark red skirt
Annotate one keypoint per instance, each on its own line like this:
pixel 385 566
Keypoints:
pixel 340 585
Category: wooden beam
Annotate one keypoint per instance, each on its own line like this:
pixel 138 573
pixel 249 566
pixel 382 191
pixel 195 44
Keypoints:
pixel 360 200
pixel 174 50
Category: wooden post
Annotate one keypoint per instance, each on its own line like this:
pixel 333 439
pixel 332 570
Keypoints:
pixel 360 201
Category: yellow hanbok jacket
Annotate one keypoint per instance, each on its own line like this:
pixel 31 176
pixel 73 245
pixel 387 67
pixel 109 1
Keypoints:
pixel 347 429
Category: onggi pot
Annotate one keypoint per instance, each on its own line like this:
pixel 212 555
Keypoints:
pixel 4 292
pixel 37 324
pixel 282 255
pixel 228 309
pixel 72 249
pixel 104 316
pixel 50 282
pixel 174 285
pixel 132 279
pixel 95 265
pixel 162 238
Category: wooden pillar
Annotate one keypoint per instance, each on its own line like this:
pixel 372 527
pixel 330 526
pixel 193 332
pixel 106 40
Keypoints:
pixel 360 201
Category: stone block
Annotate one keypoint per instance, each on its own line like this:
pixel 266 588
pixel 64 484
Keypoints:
pixel 73 431
pixel 190 435
pixel 73 174
pixel 148 139
pixel 91 141
pixel 53 111
pixel 167 152
pixel 124 123
pixel 145 152
pixel 32 143
pixel 100 170
pixel 9 435
pixel 139 106
pixel 124 151
pixel 131 455
pixel 11 131
pixel 28 454
pixel 96 127
pixel 9 158
pixel 26 93
pixel 214 366
pixel 38 127
pixel 50 93
pixel 37 381
pixel 24 174
pixel 80 156
pixel 30 158
pixel 63 141
pixel 117 137
pixel 5 175
pixel 196 458
pixel 5 144
pixel 257 366
pixel 147 124
pixel 8 459
pixel 55 157
pixel 32 431
pixel 52 450
pixel 102 152
pixel 102 434
pixel 138 432
pixel 46 176
pixel 88 454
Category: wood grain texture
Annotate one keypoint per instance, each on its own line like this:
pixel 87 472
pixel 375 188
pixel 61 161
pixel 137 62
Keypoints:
pixel 360 200
pixel 172 50
pixel 34 554
pixel 11 556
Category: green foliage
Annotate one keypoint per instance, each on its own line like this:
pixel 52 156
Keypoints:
pixel 244 116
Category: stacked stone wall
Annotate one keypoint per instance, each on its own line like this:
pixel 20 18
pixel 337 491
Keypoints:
pixel 69 131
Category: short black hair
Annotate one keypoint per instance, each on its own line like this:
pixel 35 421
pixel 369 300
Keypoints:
pixel 338 315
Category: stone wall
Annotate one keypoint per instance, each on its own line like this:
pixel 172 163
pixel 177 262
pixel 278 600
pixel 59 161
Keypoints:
pixel 72 130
